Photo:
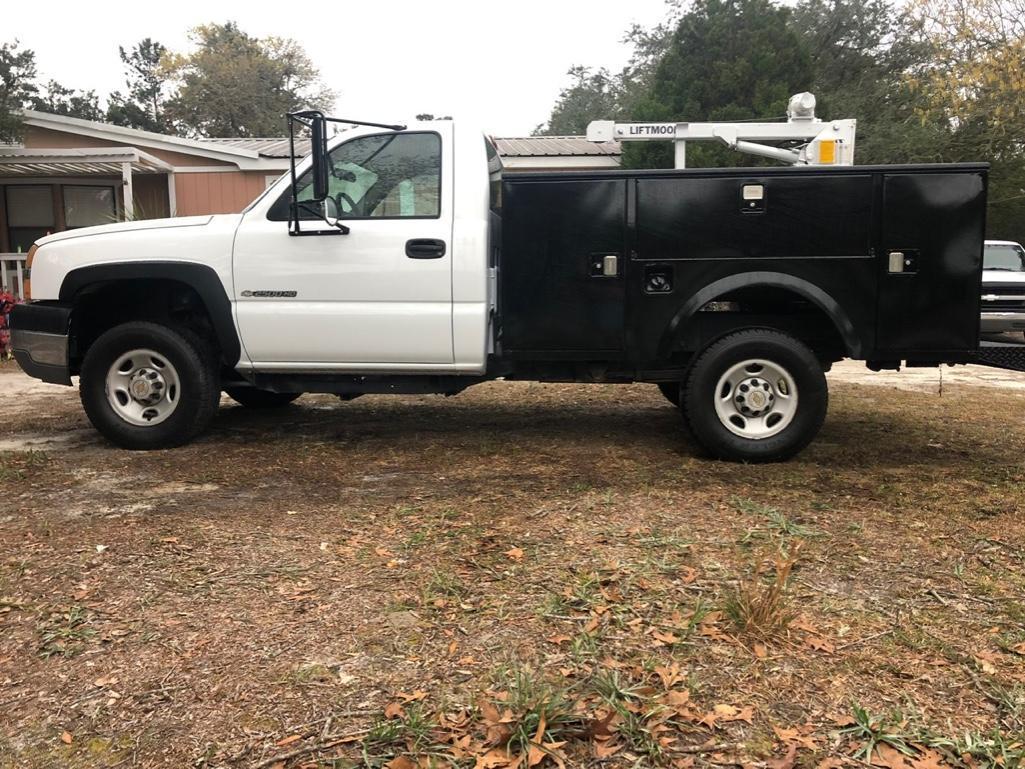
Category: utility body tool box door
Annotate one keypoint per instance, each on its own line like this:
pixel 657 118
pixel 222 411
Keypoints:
pixel 929 262
pixel 563 266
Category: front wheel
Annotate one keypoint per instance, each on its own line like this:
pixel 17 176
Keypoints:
pixel 149 386
pixel 756 395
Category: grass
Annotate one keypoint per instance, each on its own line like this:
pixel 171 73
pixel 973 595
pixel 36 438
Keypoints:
pixel 638 604
pixel 65 633
pixel 411 733
pixel 760 605
pixel 995 749
pixel 536 701
pixel 15 465
pixel 869 731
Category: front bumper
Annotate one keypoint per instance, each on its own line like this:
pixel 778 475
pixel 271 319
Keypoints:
pixel 39 338
pixel 998 322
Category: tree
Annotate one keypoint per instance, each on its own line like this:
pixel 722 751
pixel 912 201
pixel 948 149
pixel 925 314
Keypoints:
pixel 861 53
pixel 60 100
pixel 970 87
pixel 17 87
pixel 597 94
pixel 593 95
pixel 147 79
pixel 727 60
pixel 237 85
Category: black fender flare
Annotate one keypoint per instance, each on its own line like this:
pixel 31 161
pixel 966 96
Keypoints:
pixel 199 277
pixel 802 288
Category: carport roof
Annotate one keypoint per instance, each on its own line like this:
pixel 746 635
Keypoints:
pixel 88 161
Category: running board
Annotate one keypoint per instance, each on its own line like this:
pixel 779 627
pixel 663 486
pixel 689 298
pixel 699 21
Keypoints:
pixel 1001 355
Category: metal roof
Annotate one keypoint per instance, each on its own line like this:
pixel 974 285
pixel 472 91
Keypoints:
pixel 87 161
pixel 526 146
pixel 554 146
pixel 271 147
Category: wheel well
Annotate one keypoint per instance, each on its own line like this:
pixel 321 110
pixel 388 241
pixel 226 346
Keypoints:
pixel 765 306
pixel 100 306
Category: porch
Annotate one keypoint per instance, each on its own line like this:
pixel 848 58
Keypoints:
pixel 43 191
pixel 12 274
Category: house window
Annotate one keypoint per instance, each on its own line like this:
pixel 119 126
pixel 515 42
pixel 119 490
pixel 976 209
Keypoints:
pixel 86 206
pixel 29 215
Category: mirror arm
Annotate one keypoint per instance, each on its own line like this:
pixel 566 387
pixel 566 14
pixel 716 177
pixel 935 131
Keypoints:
pixel 315 121
pixel 295 229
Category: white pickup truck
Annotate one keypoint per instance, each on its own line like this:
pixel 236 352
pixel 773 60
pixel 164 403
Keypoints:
pixel 397 259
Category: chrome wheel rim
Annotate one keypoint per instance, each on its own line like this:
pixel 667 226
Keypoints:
pixel 756 399
pixel 143 387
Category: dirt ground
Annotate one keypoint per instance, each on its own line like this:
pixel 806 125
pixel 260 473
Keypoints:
pixel 522 575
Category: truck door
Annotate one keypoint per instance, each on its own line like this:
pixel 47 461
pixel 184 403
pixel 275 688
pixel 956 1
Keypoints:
pixel 930 261
pixel 382 294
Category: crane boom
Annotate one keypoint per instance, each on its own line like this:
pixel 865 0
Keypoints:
pixel 824 142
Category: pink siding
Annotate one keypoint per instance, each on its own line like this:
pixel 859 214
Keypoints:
pixel 217 193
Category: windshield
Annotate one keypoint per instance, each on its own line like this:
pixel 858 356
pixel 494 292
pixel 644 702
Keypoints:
pixel 1008 258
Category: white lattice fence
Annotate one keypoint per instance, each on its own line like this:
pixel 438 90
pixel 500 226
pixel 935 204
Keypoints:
pixel 12 274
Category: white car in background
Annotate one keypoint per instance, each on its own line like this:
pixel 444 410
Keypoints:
pixel 1003 291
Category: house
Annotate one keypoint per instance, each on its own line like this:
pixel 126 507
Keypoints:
pixel 70 173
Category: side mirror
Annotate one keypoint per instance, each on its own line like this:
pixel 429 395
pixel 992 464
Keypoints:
pixel 331 211
pixel 318 155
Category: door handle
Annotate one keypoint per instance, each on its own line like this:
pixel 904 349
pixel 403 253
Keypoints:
pixel 425 248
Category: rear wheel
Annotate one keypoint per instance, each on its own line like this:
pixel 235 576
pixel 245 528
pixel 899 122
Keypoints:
pixel 254 398
pixel 149 386
pixel 756 396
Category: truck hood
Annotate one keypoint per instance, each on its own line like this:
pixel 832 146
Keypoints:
pixel 1002 276
pixel 143 224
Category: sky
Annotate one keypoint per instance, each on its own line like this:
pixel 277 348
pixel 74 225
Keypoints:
pixel 498 66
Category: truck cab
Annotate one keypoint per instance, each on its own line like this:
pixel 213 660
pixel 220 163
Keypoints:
pixel 398 259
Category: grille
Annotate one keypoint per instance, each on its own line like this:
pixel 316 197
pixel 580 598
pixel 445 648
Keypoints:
pixel 1003 298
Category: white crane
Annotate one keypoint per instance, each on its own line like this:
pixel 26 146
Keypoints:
pixel 826 143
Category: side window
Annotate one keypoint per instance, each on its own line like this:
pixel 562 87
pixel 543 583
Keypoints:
pixel 395 175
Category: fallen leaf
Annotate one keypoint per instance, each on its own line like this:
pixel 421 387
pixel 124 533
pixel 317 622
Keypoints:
pixel 288 740
pixel 493 758
pixel 535 755
pixel 985 665
pixel 787 762
pixel 66 738
pixel 888 757
pixel 514 554
pixel 668 639
pixel 669 675
pixel 688 574
pixel 819 644
pixel 416 696
pixel 604 749
pixel 394 710
pixel 401 762
pixel 760 651
pixel 559 639
pixel 929 759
